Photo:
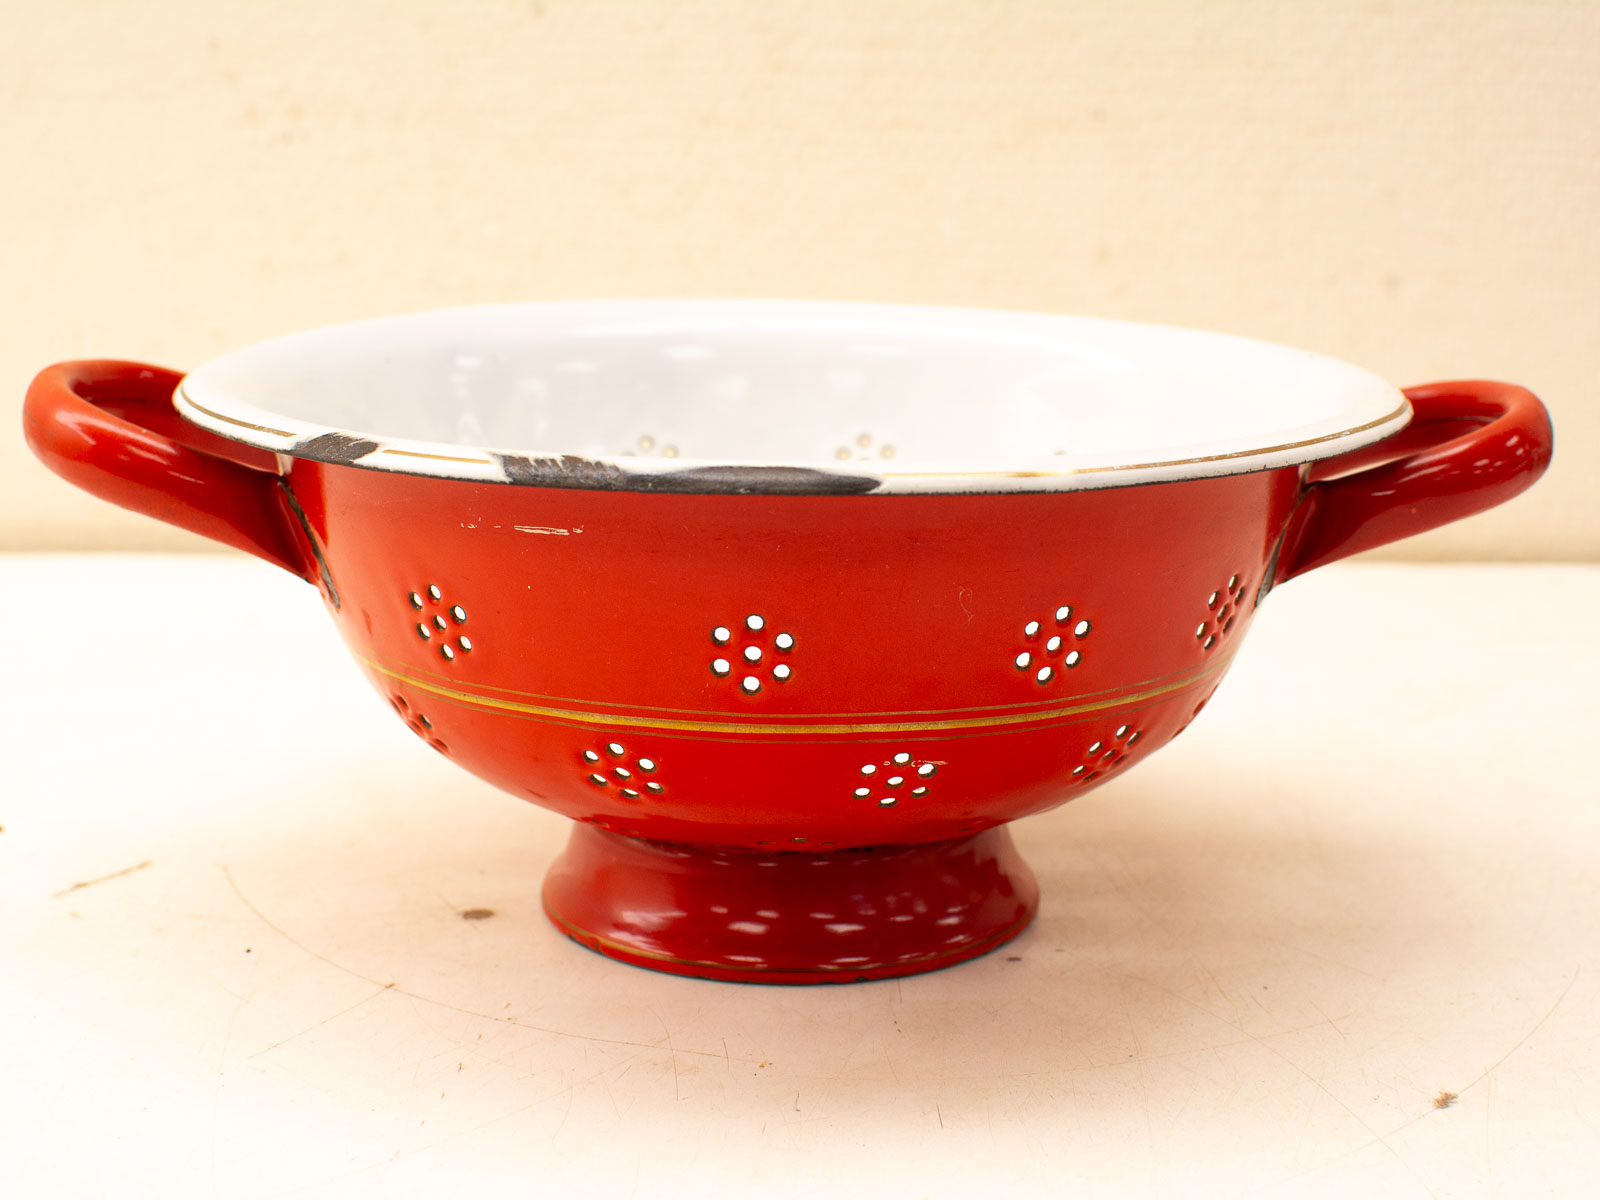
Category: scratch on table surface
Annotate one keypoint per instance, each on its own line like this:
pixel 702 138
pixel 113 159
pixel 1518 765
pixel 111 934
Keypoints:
pixel 321 1023
pixel 1434 1104
pixel 1488 1140
pixel 1144 1086
pixel 239 996
pixel 1115 1064
pixel 566 1089
pixel 572 1095
pixel 676 1093
pixel 1327 1018
pixel 1307 952
pixel 216 1090
pixel 392 985
pixel 1377 1138
pixel 1521 1041
pixel 1221 991
pixel 77 887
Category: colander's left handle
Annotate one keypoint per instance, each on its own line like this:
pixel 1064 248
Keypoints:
pixel 110 428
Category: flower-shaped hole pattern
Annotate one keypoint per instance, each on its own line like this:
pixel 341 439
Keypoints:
pixel 899 777
pixel 1223 607
pixel 610 765
pixel 752 654
pixel 439 624
pixel 419 723
pixel 1106 753
pixel 1051 645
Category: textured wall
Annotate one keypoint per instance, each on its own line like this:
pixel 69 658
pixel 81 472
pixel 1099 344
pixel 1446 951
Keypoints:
pixel 1414 186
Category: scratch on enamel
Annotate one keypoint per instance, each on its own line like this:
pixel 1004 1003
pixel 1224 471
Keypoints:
pixel 551 529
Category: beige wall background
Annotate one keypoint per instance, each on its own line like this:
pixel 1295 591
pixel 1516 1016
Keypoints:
pixel 1411 185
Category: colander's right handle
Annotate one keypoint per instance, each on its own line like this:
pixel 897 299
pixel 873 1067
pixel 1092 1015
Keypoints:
pixel 1470 445
pixel 110 428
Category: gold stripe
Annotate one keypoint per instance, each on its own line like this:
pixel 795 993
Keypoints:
pixel 227 420
pixel 223 417
pixel 589 717
pixel 421 676
pixel 1170 462
pixel 1399 411
pixel 932 735
pixel 438 457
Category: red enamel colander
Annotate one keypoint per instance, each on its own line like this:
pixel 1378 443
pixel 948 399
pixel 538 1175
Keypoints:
pixel 791 606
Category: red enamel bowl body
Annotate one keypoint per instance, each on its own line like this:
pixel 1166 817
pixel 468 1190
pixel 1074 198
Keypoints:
pixel 792 606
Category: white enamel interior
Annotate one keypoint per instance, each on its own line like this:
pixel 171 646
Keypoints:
pixel 922 398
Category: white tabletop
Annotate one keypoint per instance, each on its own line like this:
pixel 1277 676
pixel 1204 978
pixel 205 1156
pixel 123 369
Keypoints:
pixel 1340 939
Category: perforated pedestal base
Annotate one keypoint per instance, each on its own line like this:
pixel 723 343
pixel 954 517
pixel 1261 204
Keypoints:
pixel 763 917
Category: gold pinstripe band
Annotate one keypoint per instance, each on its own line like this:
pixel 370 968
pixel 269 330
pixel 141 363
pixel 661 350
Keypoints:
pixel 421 675
pixel 1398 411
pixel 1170 462
pixel 191 402
pixel 710 725
pixel 485 462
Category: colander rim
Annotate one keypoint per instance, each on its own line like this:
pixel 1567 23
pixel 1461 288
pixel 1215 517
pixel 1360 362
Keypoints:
pixel 217 397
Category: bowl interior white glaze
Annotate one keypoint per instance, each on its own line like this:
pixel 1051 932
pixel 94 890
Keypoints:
pixel 919 398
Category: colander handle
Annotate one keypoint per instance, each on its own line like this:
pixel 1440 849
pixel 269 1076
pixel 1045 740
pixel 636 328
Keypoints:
pixel 111 428
pixel 1470 445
